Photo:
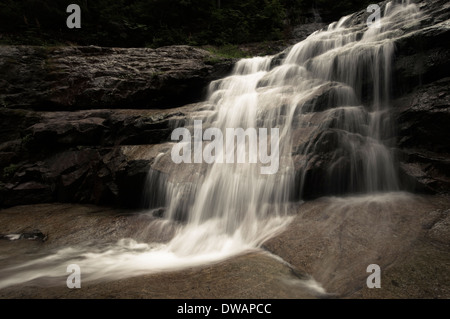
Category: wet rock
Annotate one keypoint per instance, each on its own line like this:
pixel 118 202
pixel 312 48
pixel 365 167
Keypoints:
pixel 423 57
pixel 440 231
pixel 335 239
pixel 158 212
pixel 329 95
pixel 325 161
pixel 33 235
pixel 422 53
pixel 424 138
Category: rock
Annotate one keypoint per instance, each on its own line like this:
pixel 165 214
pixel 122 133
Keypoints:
pixel 101 176
pixel 303 31
pixel 12 126
pixel 424 138
pixel 158 212
pixel 422 57
pixel 131 174
pixel 422 53
pixel 440 231
pixel 33 235
pixel 324 164
pixel 6 158
pixel 25 193
pixel 328 95
pixel 83 156
pixel 335 239
pixel 73 78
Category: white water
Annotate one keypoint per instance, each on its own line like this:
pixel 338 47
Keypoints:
pixel 226 209
pixel 235 201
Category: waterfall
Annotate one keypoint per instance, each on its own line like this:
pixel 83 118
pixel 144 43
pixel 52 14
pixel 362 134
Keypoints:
pixel 341 78
pixel 232 205
pixel 328 98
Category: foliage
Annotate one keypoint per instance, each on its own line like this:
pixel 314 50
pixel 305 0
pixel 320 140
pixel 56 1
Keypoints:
pixel 154 23
pixel 227 51
pixel 10 170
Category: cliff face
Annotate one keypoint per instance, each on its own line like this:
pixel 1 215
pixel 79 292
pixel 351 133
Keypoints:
pixel 422 100
pixel 84 124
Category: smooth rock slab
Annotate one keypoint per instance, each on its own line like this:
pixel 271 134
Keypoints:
pixel 331 240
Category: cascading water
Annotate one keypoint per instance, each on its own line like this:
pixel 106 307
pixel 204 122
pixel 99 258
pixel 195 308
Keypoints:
pixel 230 205
pixel 329 98
pixel 341 75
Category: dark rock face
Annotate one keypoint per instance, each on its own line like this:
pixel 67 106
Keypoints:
pixel 422 57
pixel 73 78
pixel 93 156
pixel 424 138
pixel 421 101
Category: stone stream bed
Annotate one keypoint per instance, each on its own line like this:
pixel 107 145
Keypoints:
pixel 323 253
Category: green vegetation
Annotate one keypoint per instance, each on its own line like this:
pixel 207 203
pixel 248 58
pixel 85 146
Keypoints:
pixel 155 23
pixel 229 51
pixel 157 74
pixel 26 141
pixel 10 170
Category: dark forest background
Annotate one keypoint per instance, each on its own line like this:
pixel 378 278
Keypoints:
pixel 154 23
